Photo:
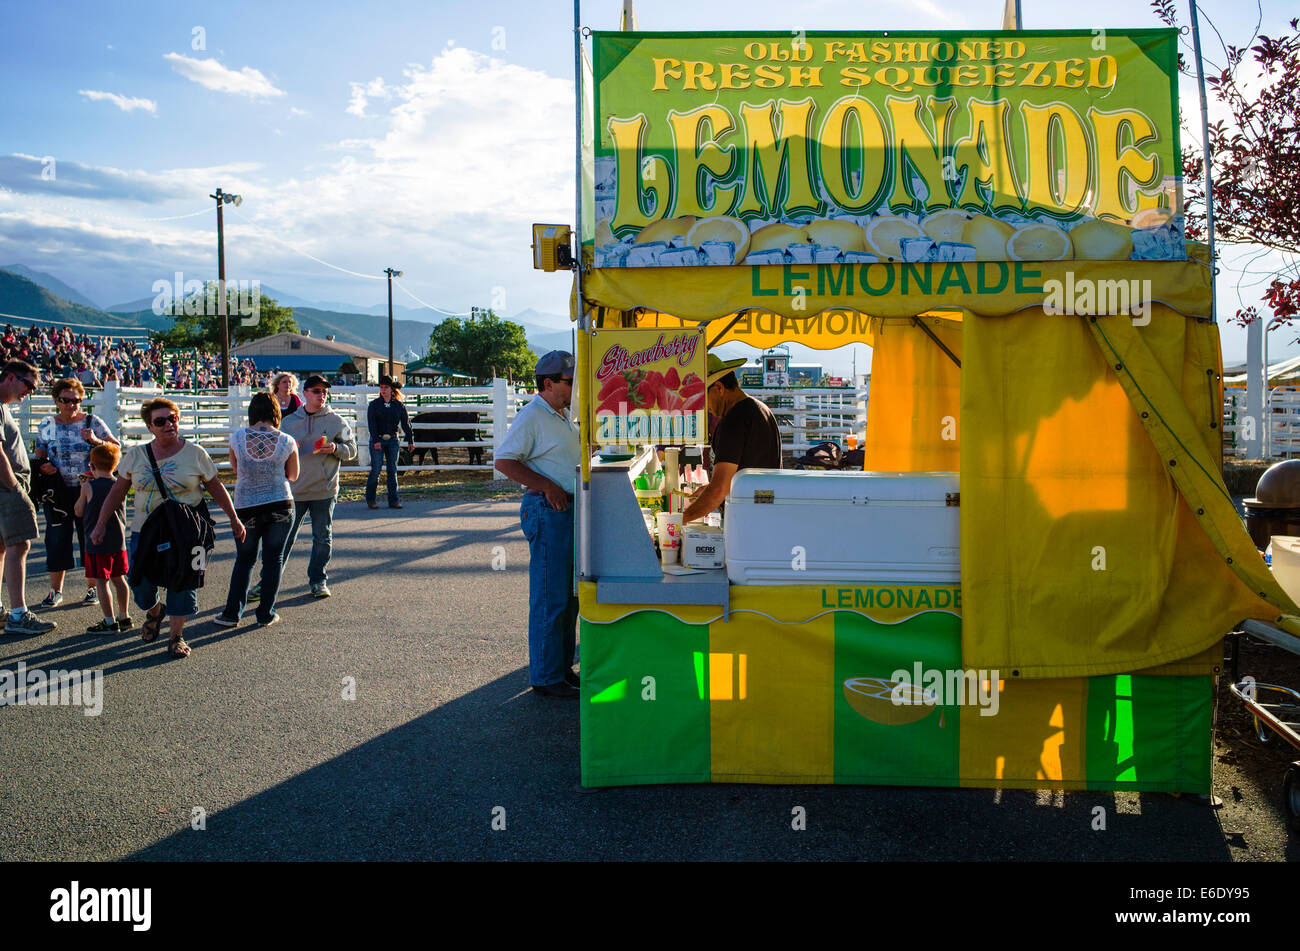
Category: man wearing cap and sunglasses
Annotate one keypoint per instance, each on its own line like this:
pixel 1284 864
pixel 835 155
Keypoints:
pixel 17 515
pixel 746 437
pixel 541 452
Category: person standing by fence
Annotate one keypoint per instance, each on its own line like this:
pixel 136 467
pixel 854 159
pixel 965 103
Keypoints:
pixel 325 441
pixel 63 444
pixel 106 563
pixel 385 416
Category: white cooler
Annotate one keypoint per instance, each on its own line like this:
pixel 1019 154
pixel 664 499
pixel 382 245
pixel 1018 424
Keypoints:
pixel 852 527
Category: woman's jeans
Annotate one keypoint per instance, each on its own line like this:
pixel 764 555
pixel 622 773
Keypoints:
pixel 268 532
pixel 179 603
pixel 388 453
pixel 552 608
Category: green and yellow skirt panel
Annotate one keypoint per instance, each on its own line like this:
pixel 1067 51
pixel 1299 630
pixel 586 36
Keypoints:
pixel 799 685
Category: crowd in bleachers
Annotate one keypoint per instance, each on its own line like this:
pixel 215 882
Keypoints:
pixel 94 360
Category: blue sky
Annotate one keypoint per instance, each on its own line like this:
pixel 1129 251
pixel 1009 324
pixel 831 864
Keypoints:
pixel 419 135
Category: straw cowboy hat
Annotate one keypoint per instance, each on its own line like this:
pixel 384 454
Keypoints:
pixel 718 368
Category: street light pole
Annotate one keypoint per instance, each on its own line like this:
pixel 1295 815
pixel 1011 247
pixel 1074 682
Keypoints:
pixel 222 198
pixel 391 274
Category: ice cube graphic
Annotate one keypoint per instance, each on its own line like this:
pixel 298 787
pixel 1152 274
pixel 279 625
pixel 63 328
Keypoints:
pixel 826 254
pixel 769 256
pixel 1158 244
pixel 955 251
pixel 679 257
pixel 606 189
pixel 919 249
pixel 645 255
pixel 612 255
pixel 860 257
pixel 800 252
pixel 718 252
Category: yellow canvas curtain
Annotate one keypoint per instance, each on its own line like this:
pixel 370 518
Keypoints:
pixel 914 407
pixel 1097 535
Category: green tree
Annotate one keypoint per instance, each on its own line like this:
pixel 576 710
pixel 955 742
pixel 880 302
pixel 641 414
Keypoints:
pixel 197 323
pixel 484 347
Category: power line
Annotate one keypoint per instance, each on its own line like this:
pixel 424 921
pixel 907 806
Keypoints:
pixel 255 230
pixel 445 313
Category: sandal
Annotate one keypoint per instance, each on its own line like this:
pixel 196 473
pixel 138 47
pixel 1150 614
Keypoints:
pixel 178 648
pixel 151 628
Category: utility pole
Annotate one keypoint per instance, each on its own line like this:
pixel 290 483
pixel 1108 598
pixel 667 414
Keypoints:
pixel 222 198
pixel 392 273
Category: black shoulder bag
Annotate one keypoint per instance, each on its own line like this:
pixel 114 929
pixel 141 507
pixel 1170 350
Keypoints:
pixel 174 541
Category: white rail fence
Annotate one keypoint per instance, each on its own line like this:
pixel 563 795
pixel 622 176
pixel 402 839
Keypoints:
pixel 807 416
pixel 1281 413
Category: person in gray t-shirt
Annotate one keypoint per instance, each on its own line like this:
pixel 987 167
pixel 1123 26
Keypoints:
pixel 17 516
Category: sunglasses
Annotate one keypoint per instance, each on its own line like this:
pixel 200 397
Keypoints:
pixel 318 391
pixel 160 421
pixel 69 399
pixel 30 384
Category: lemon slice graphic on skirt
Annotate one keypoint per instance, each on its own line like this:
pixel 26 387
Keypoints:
pixel 888 701
pixel 666 229
pixel 885 233
pixel 1102 241
pixel 776 235
pixel 836 233
pixel 721 228
pixel 947 225
pixel 604 234
pixel 989 236
pixel 1039 243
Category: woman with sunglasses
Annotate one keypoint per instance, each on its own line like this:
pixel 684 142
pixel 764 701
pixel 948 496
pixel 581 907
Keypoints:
pixel 187 470
pixel 63 444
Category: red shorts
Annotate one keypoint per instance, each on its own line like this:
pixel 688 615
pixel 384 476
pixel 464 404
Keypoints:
pixel 103 567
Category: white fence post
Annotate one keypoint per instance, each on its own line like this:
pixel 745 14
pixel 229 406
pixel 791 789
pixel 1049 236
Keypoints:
pixel 501 396
pixel 106 408
pixel 361 406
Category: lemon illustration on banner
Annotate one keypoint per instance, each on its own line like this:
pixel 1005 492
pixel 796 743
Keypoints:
pixel 1039 243
pixel 1102 241
pixel 669 230
pixel 836 233
pixel 889 701
pixel 721 228
pixel 885 234
pixel 1152 218
pixel 776 235
pixel 604 234
pixel 989 236
pixel 947 225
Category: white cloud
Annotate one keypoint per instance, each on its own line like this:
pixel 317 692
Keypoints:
pixel 125 103
pixel 295 111
pixel 212 75
pixel 363 92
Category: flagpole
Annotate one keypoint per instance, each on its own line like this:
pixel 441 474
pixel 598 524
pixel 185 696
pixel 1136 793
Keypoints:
pixel 1205 146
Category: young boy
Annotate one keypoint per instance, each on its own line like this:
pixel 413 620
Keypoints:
pixel 106 562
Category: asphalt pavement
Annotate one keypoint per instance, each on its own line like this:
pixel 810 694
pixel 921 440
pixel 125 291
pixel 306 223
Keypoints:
pixel 394 721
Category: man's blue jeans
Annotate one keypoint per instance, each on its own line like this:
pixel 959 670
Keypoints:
pixel 552 608
pixel 322 535
pixel 388 453
pixel 267 532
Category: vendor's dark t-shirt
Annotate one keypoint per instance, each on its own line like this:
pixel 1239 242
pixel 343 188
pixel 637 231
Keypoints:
pixel 748 436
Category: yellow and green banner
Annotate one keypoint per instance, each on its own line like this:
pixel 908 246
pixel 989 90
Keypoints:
pixel 854 149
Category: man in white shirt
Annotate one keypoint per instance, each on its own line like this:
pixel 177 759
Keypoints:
pixel 541 452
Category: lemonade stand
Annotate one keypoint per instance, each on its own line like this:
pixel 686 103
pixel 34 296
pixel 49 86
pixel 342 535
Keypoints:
pixel 997 215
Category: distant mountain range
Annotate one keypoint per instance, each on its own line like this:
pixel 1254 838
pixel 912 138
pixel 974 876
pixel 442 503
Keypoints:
pixel 34 296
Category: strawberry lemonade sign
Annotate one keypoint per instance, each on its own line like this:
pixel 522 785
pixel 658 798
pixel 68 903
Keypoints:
pixel 832 148
pixel 649 387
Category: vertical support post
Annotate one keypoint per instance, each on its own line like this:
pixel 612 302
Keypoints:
pixel 1254 419
pixel 1205 145
pixel 501 397
pixel 107 410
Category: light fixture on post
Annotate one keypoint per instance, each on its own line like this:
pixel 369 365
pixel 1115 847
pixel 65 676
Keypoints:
pixel 223 198
pixel 392 273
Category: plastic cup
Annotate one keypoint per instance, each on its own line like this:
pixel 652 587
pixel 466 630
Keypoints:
pixel 670 536
pixel 852 441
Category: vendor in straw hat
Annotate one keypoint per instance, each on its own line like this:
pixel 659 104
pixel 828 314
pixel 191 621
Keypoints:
pixel 746 436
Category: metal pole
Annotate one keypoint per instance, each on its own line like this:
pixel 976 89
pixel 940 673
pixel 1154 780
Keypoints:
pixel 390 321
pixel 1205 144
pixel 221 294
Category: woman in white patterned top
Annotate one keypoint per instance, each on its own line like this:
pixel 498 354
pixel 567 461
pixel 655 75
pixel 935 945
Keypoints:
pixel 265 461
